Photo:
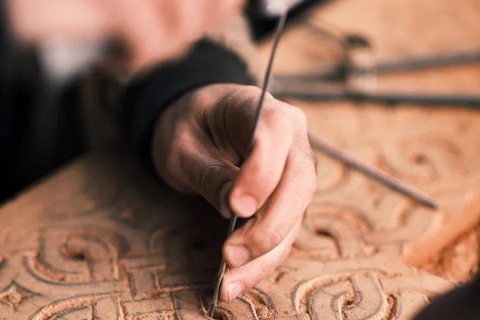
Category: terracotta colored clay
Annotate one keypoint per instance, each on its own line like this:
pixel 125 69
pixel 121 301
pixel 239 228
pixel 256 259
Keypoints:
pixel 444 232
pixel 139 251
pixel 101 240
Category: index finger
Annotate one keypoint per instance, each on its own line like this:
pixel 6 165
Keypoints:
pixel 283 209
pixel 238 280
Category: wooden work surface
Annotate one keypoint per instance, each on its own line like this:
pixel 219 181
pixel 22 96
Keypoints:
pixel 101 240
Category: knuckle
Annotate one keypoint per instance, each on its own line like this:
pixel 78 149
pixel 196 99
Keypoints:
pixel 306 150
pixel 263 187
pixel 170 172
pixel 202 177
pixel 265 177
pixel 287 252
pixel 274 237
pixel 246 93
pixel 205 177
pixel 301 154
pixel 314 158
pixel 311 157
pixel 202 97
pixel 311 177
pixel 275 118
pixel 266 240
pixel 298 117
pixel 181 134
pixel 264 269
pixel 312 185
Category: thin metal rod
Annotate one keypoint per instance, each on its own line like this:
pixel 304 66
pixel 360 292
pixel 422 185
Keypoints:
pixel 409 63
pixel 468 101
pixel 372 172
pixel 266 79
pixel 221 271
pixel 258 111
pixel 442 59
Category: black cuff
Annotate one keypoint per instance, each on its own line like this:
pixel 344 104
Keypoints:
pixel 7 135
pixel 207 63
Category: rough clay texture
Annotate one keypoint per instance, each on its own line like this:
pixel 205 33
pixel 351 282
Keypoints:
pixel 449 240
pixel 100 240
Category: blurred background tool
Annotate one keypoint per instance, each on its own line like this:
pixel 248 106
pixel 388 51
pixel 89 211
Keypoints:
pixel 371 172
pixel 354 76
pixel 271 8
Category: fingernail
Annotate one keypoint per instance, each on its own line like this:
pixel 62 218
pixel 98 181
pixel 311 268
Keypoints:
pixel 234 289
pixel 237 255
pixel 244 205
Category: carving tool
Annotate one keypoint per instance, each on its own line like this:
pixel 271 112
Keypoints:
pixel 332 83
pixel 372 172
pixel 233 219
pixel 306 90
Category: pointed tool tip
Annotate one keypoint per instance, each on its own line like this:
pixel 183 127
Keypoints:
pixel 212 310
pixel 431 203
pixel 425 200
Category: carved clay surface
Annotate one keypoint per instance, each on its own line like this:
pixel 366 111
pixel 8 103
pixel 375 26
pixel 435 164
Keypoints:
pixel 159 263
pixel 450 246
pixel 100 240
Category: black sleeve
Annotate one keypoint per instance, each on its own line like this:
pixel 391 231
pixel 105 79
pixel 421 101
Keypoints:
pixel 207 63
pixel 6 108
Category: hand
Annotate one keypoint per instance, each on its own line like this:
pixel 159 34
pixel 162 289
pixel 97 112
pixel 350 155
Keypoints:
pixel 153 30
pixel 197 146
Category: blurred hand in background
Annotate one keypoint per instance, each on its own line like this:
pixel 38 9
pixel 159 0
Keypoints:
pixel 152 30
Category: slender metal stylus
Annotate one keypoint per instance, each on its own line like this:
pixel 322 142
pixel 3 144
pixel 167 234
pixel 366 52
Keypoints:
pixel 258 111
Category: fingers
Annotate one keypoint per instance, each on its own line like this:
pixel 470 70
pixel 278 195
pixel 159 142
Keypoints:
pixel 192 163
pixel 261 173
pixel 282 211
pixel 238 280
